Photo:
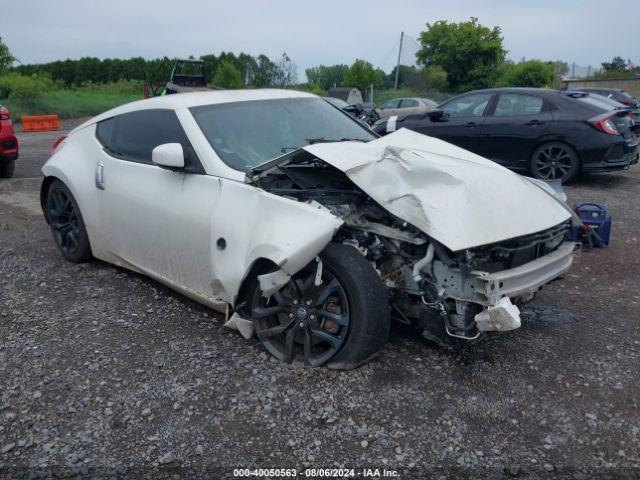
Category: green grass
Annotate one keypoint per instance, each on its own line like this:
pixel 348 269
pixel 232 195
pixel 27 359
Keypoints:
pixel 92 99
pixel 69 103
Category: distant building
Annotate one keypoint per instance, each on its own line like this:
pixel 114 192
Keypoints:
pixel 351 95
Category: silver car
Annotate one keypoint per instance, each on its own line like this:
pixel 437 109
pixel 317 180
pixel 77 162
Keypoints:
pixel 406 106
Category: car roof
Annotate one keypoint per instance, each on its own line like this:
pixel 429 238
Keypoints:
pixel 604 89
pixel 516 90
pixel 404 98
pixel 178 101
pixel 602 98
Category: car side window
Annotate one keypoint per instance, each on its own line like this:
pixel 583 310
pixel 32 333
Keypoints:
pixel 515 104
pixel 104 130
pixel 467 106
pixel 133 136
pixel 408 103
pixel 391 104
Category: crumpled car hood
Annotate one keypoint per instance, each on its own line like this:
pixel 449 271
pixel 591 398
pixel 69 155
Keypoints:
pixel 458 198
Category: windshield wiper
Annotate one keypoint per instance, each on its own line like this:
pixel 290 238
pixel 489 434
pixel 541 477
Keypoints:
pixel 333 140
pixel 311 141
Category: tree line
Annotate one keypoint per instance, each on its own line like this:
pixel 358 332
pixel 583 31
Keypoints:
pixel 458 57
pixel 454 57
pixel 233 71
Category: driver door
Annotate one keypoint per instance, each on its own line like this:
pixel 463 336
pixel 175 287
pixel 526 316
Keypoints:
pixel 155 219
pixel 462 120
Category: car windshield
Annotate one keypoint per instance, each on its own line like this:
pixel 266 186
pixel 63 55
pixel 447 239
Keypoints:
pixel 248 134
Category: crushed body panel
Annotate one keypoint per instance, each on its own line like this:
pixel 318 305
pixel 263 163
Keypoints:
pixel 456 197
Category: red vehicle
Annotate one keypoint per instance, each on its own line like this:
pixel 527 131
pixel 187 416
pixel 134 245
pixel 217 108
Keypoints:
pixel 8 144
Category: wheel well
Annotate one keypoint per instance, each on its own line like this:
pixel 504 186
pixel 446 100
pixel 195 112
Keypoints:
pixel 259 267
pixel 44 191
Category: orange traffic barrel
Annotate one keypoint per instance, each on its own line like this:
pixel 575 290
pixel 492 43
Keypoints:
pixel 40 123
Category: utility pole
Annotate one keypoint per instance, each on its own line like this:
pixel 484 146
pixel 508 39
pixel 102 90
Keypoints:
pixel 395 85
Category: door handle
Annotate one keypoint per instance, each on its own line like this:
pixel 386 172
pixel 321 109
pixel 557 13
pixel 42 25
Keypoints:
pixel 471 125
pixel 534 123
pixel 100 176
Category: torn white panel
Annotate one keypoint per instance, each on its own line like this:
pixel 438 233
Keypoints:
pixel 499 318
pixel 256 225
pixel 391 123
pixel 456 197
pixel 270 283
pixel 244 326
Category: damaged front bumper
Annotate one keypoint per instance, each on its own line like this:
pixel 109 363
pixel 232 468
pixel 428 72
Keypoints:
pixel 525 280
pixel 488 288
pixel 494 291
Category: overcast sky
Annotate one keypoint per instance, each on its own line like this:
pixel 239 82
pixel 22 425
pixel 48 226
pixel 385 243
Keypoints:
pixel 326 32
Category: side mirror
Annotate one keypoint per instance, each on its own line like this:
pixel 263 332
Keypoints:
pixel 168 155
pixel 435 114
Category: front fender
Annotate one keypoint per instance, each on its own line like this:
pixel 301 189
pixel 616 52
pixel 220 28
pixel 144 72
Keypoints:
pixel 249 224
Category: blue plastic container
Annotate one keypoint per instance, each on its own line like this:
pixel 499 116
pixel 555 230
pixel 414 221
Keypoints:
pixel 595 216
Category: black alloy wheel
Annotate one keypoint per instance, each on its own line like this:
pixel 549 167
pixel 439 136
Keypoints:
pixel 64 222
pixel 555 161
pixel 303 323
pixel 67 225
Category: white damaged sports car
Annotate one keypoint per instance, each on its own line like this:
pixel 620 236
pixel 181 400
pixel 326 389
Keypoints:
pixel 301 224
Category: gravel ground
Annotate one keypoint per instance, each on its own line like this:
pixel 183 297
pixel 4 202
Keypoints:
pixel 105 373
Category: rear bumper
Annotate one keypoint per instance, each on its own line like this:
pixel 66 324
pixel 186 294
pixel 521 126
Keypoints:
pixel 613 163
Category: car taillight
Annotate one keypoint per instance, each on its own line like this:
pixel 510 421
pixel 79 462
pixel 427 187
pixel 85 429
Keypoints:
pixel 57 144
pixel 604 124
pixel 4 113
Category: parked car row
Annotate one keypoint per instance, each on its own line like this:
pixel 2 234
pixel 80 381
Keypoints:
pixel 8 144
pixel 550 134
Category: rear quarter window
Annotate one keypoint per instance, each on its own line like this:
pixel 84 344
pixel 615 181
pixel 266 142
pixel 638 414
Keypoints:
pixel 103 132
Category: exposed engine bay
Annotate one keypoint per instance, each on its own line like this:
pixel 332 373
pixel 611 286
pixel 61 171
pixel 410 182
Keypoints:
pixel 448 294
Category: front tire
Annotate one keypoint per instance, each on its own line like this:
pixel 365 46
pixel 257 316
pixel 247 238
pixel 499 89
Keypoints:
pixel 7 167
pixel 555 161
pixel 67 225
pixel 342 323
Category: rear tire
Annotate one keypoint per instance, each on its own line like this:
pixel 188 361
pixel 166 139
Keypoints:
pixel 67 225
pixel 555 161
pixel 341 323
pixel 7 167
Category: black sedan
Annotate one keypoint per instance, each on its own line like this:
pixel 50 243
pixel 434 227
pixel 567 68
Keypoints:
pixel 550 134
